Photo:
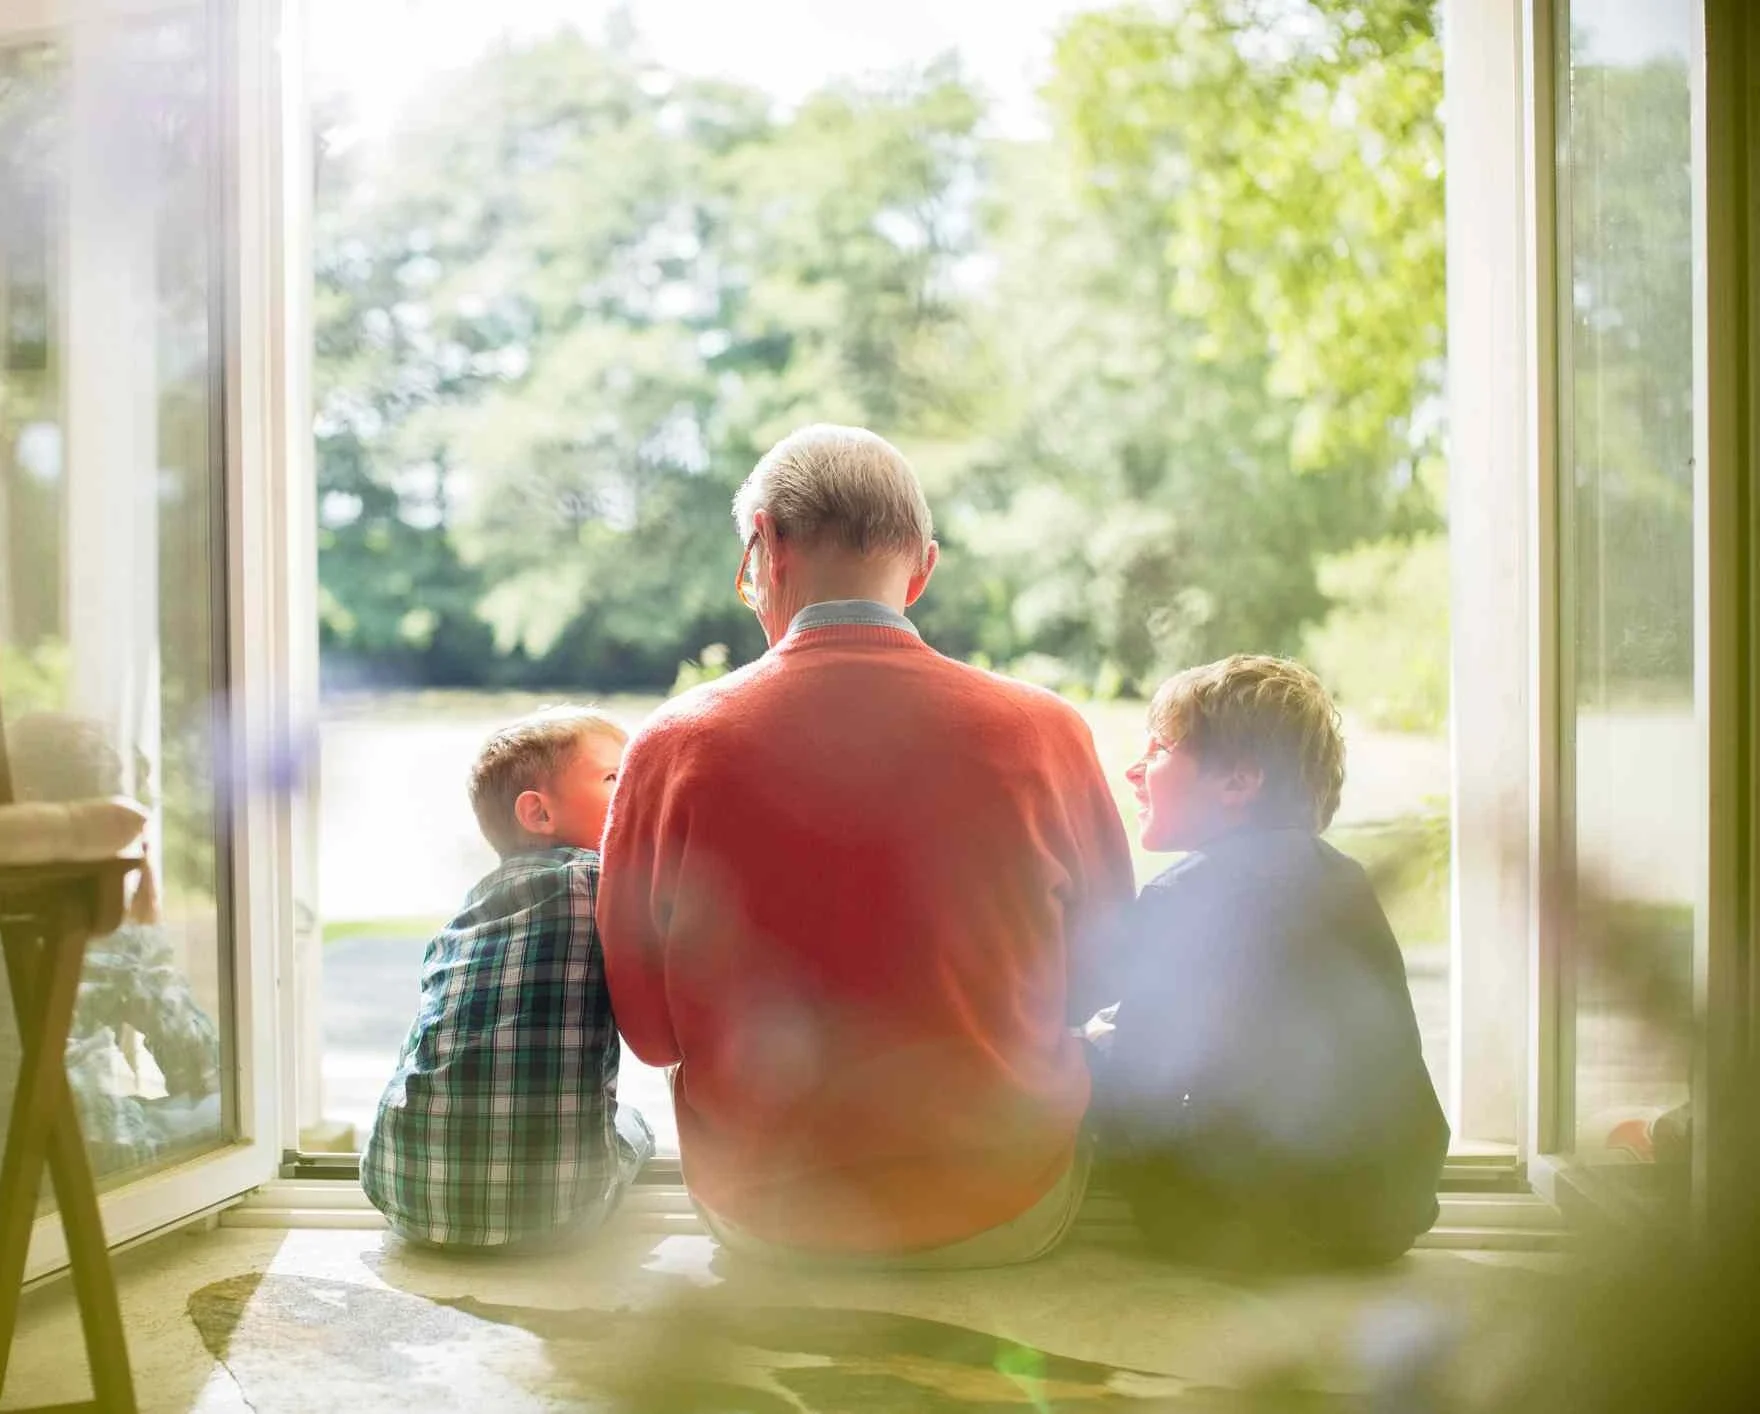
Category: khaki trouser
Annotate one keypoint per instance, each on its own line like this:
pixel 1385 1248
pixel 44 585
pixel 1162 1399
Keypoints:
pixel 1034 1234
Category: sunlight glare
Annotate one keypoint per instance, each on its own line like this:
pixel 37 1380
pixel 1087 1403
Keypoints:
pixel 378 56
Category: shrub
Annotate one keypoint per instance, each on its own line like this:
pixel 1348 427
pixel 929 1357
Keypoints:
pixel 712 663
pixel 1383 648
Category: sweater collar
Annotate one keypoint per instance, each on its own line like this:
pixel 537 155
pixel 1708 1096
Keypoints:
pixel 844 613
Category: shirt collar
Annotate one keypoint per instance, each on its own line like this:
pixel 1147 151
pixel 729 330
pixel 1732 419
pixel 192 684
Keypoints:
pixel 846 612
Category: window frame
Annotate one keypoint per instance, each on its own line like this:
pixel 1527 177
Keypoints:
pixel 1511 1038
pixel 1726 126
pixel 253 828
pixel 1473 1172
pixel 1726 526
pixel 1504 724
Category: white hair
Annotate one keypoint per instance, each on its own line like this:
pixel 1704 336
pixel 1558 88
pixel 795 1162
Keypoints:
pixel 841 485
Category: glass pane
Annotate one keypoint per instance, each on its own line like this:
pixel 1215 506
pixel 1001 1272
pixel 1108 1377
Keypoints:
pixel 1628 337
pixel 111 546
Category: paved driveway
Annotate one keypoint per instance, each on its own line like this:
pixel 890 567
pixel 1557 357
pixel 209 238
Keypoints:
pixel 371 986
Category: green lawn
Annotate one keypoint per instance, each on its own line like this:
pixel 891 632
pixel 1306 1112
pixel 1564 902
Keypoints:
pixel 337 930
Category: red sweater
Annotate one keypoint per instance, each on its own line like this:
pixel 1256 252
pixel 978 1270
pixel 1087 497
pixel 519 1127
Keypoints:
pixel 851 890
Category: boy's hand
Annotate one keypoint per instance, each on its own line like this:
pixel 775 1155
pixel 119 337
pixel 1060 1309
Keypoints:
pixel 1099 1028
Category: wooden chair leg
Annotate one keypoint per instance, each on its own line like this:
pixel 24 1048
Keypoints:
pixel 94 1284
pixel 51 967
pixel 43 998
pixel 88 1255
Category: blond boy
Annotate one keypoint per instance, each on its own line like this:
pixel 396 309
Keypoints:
pixel 501 1123
pixel 1264 1097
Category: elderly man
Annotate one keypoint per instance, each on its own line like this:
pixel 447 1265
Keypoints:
pixel 850 891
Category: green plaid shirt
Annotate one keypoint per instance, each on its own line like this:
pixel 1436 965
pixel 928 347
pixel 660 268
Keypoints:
pixel 499 1123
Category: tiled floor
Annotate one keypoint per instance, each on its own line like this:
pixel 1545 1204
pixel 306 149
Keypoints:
pixel 647 1319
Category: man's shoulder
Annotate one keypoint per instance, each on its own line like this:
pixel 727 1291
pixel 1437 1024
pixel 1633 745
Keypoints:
pixel 712 714
pixel 987 689
pixel 709 707
pixel 701 710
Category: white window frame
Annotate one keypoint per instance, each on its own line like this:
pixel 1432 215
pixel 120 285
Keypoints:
pixel 1492 310
pixel 1726 135
pixel 1502 549
pixel 303 950
pixel 1511 1035
pixel 256 512
pixel 1726 197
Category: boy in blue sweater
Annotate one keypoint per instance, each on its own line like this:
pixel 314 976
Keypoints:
pixel 1262 1099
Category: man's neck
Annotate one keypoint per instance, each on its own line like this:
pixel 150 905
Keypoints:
pixel 833 588
pixel 830 573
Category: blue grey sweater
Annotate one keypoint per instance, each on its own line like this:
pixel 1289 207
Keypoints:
pixel 1266 1063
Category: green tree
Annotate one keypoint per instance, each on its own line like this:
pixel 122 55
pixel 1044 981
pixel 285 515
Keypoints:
pixel 1294 149
pixel 1384 646
pixel 1221 299
pixel 395 600
pixel 1153 367
pixel 1629 389
pixel 571 308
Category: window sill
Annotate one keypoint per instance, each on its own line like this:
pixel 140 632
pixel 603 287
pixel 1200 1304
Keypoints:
pixel 1613 1196
pixel 658 1203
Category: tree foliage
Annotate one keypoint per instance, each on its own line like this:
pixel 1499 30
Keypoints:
pixel 1628 395
pixel 1152 366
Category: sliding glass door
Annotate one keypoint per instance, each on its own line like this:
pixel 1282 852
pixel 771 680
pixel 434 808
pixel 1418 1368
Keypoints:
pixel 1631 391
pixel 118 379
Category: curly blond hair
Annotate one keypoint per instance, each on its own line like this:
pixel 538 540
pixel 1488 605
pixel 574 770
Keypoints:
pixel 1266 712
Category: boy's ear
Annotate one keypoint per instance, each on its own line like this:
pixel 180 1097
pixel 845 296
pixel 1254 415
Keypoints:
pixel 533 813
pixel 1242 785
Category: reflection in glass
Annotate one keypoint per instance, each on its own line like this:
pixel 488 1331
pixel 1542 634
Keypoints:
pixel 1628 391
pixel 110 546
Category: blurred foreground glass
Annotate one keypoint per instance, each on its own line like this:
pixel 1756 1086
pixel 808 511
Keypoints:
pixel 1626 328
pixel 111 548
